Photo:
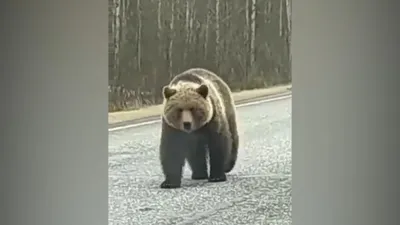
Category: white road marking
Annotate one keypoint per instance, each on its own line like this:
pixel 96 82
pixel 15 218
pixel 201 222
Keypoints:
pixel 237 106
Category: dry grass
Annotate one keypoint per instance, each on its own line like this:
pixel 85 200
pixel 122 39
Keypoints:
pixel 115 117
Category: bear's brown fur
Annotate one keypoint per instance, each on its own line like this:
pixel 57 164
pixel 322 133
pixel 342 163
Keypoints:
pixel 199 115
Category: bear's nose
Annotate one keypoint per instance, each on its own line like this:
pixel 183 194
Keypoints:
pixel 187 125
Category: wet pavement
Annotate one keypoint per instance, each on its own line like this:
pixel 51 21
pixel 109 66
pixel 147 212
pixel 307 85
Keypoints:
pixel 258 190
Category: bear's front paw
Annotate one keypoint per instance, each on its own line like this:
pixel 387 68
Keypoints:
pixel 169 185
pixel 199 176
pixel 219 178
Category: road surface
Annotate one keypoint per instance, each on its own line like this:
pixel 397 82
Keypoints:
pixel 258 190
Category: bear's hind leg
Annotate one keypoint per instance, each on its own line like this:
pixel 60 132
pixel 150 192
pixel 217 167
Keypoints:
pixel 235 144
pixel 198 161
pixel 219 147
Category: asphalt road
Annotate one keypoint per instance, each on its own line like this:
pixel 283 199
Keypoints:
pixel 258 190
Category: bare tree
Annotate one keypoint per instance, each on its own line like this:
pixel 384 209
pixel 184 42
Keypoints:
pixel 253 34
pixel 217 32
pixel 171 39
pixel 207 34
pixel 139 36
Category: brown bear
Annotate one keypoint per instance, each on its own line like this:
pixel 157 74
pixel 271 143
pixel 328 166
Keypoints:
pixel 198 120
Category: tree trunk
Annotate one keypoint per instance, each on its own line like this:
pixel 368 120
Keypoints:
pixel 139 37
pixel 280 17
pixel 187 30
pixel 207 35
pixel 253 35
pixel 171 40
pixel 217 34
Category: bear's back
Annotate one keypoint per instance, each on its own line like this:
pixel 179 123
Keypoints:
pixel 201 76
pixel 186 77
pixel 197 75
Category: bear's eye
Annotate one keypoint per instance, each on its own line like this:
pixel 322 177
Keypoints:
pixel 191 109
pixel 180 110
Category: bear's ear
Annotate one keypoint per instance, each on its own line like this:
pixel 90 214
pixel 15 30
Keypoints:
pixel 202 90
pixel 168 92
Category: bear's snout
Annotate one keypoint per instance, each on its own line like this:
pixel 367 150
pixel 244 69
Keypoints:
pixel 187 126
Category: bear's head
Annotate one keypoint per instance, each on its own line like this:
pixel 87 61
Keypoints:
pixel 187 106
